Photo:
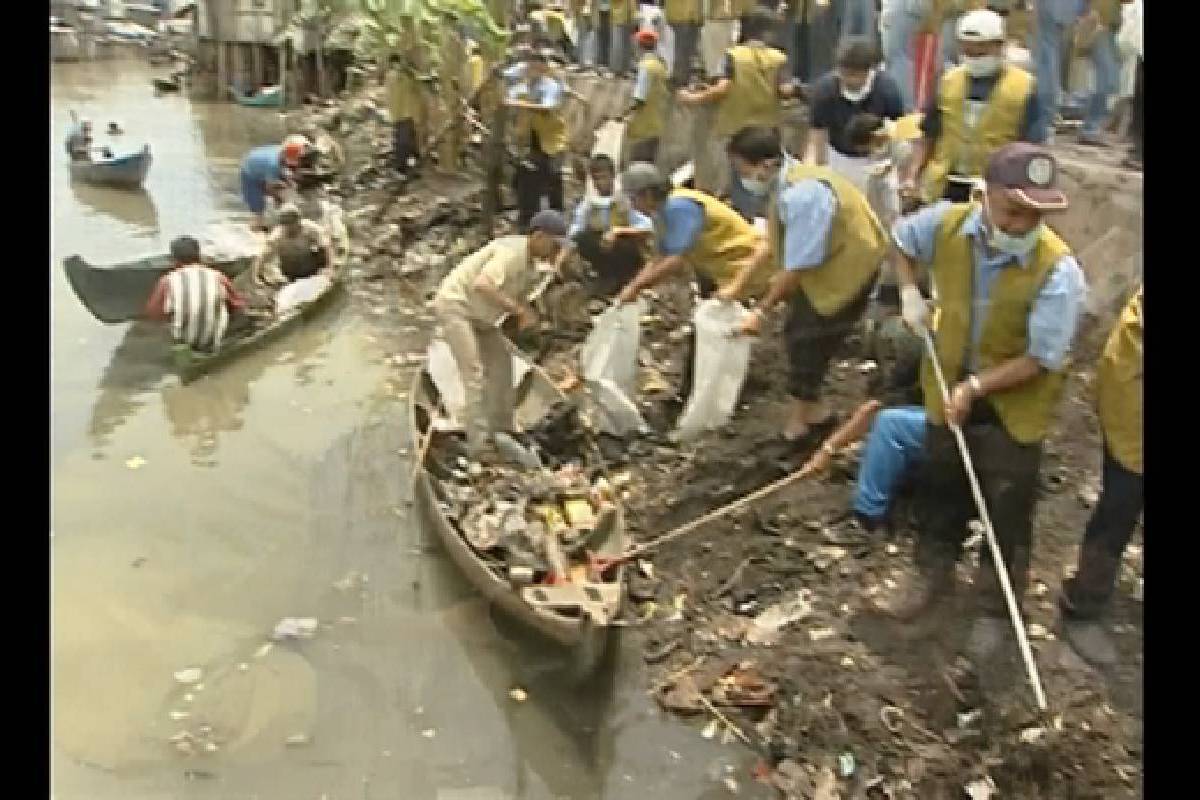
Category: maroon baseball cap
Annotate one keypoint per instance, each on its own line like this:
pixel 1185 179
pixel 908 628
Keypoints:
pixel 1029 173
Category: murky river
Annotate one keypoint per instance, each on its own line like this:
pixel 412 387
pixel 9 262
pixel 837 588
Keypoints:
pixel 187 521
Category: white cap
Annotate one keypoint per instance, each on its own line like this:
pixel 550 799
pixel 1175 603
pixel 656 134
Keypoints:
pixel 981 25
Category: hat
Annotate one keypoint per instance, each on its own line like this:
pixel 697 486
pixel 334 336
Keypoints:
pixel 1029 174
pixel 549 221
pixel 981 25
pixel 289 209
pixel 639 176
pixel 646 37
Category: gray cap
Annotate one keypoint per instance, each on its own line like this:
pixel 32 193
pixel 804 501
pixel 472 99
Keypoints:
pixel 549 221
pixel 642 175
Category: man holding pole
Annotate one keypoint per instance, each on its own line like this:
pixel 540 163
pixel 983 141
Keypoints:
pixel 1009 294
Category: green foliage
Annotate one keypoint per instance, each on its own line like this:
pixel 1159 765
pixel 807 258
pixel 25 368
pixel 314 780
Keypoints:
pixel 417 26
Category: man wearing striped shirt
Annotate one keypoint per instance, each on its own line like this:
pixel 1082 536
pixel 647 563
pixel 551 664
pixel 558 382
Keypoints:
pixel 197 300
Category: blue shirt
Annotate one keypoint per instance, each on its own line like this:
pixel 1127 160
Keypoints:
pixel 583 212
pixel 806 210
pixel 1055 311
pixel 263 163
pixel 682 221
pixel 544 91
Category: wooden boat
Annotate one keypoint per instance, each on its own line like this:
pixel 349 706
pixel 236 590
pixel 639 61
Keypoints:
pixel 576 615
pixel 118 292
pixel 191 364
pixel 126 171
pixel 267 97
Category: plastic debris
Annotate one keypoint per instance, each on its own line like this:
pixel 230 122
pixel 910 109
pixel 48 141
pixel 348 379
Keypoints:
pixel 518 694
pixel 429 733
pixel 766 628
pixel 846 765
pixel 295 628
pixel 982 789
pixel 136 462
pixel 1033 735
pixel 710 730
pixel 189 675
pixel 297 740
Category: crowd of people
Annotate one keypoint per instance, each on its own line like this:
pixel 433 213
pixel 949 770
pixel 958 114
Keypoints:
pixel 931 223
pixel 924 185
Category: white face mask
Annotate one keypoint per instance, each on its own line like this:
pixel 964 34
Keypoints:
pixel 756 187
pixel 1018 246
pixel 860 94
pixel 602 202
pixel 981 66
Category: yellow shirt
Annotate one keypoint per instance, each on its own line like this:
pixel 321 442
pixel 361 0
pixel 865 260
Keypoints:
pixel 506 263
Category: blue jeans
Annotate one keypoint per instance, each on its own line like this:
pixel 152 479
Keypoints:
pixel 1047 57
pixel 899 27
pixel 896 442
pixel 1106 69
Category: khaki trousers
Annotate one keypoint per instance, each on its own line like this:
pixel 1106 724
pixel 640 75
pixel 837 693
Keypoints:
pixel 485 363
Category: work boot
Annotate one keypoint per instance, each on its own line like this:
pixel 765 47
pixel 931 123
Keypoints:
pixel 1091 642
pixel 915 595
pixel 987 634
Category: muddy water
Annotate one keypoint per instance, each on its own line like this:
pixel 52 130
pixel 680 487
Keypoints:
pixel 188 520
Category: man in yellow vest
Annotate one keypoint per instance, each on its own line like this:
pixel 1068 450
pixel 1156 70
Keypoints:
pixel 980 106
pixel 541 126
pixel 647 118
pixel 685 18
pixel 407 113
pixel 1009 295
pixel 728 255
pixel 749 93
pixel 1086 596
pixel 624 23
pixel 822 231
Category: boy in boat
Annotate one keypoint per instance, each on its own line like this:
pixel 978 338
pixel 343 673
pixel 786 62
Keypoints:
pixel 303 247
pixel 262 173
pixel 198 301
pixel 471 302
pixel 607 232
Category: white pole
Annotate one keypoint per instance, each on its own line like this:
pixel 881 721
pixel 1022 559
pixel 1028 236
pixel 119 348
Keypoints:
pixel 1010 599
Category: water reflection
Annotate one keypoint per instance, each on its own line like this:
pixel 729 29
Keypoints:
pixel 132 206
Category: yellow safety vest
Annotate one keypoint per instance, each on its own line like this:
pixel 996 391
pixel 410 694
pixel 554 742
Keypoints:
pixel 549 125
pixel 622 14
pixel 1026 410
pixel 554 22
pixel 649 121
pixel 965 150
pixel 683 12
pixel 857 242
pixel 1119 387
pixel 725 240
pixel 404 95
pixel 752 98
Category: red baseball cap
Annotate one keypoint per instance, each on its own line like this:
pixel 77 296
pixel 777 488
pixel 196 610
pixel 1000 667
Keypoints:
pixel 1029 173
pixel 646 37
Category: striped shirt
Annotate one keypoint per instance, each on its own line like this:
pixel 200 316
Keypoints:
pixel 197 301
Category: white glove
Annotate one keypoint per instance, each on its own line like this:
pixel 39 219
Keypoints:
pixel 913 308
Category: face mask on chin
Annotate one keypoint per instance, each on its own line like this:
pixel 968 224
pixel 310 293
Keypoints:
pixel 981 66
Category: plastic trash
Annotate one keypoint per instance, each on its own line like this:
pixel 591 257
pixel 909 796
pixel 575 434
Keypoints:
pixel 611 349
pixel 297 293
pixel 443 370
pixel 722 360
pixel 612 410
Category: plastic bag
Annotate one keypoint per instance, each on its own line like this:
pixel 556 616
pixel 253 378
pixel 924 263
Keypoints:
pixel 722 360
pixel 443 371
pixel 297 293
pixel 608 362
pixel 611 349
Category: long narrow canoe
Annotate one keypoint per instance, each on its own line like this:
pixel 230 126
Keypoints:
pixel 268 97
pixel 577 615
pixel 118 292
pixel 125 171
pixel 191 364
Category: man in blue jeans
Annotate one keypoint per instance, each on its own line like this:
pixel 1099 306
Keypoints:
pixel 1053 17
pixel 1106 67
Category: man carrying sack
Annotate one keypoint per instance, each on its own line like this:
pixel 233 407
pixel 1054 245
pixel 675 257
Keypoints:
pixel 1009 296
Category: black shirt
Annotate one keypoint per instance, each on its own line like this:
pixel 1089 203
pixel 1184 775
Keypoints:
pixel 980 89
pixel 832 112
